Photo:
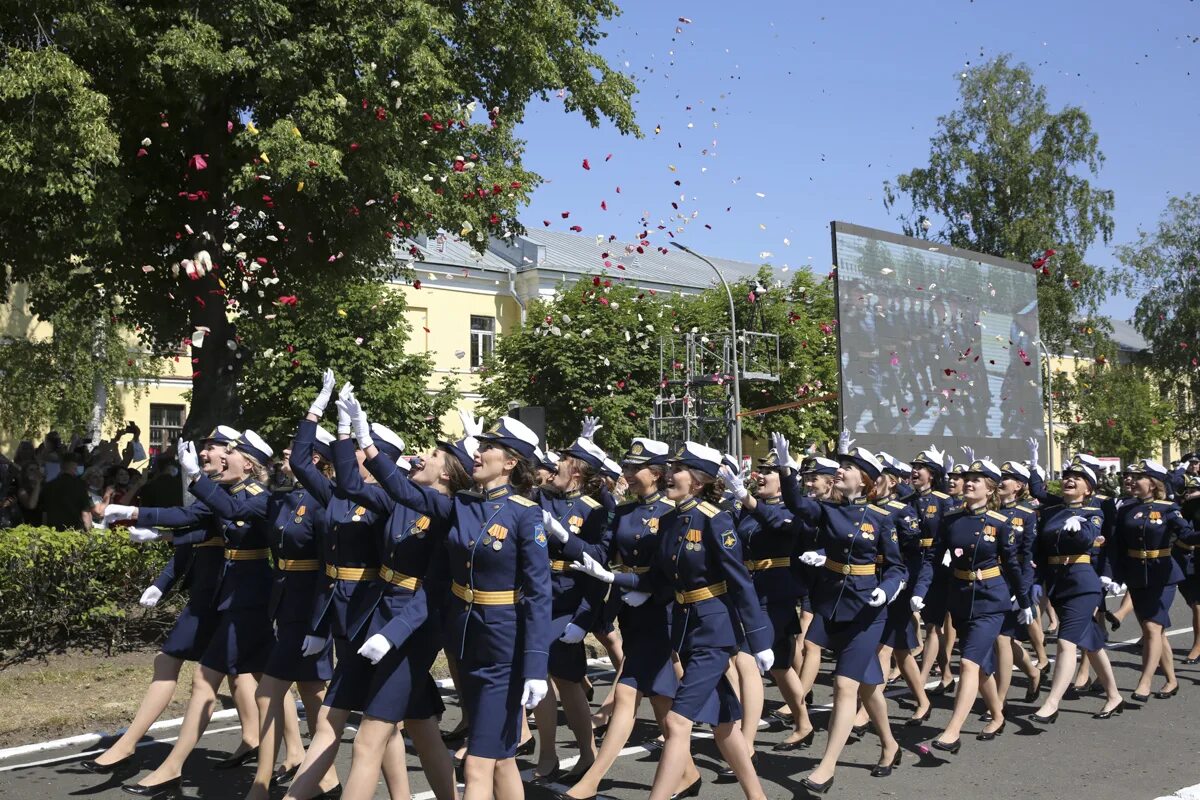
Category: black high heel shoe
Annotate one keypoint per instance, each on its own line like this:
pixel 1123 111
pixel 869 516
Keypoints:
pixel 726 773
pixel 799 744
pixel 527 747
pixel 952 748
pixel 1167 695
pixel 1034 689
pixel 107 769
pixel 1050 720
pixel 816 788
pixel 1112 620
pixel 164 789
pixel 283 775
pixel 860 731
pixel 1112 712
pixel 458 734
pixel 884 770
pixel 913 722
pixel 691 791
pixel 987 736
pixel 1139 698
pixel 239 760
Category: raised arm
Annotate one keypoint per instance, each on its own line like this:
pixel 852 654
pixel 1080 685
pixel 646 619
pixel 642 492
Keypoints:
pixel 350 482
pixel 402 490
pixel 302 465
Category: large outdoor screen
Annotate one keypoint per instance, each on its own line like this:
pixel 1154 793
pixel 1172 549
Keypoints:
pixel 938 346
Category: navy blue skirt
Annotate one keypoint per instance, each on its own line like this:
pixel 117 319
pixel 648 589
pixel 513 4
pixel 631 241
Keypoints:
pixel 352 677
pixel 491 701
pixel 854 642
pixel 899 633
pixel 287 661
pixel 1189 587
pixel 785 624
pixel 567 662
pixel 1013 629
pixel 977 639
pixel 401 686
pixel 934 612
pixel 705 695
pixel 646 642
pixel 1153 604
pixel 1077 622
pixel 241 643
pixel 191 633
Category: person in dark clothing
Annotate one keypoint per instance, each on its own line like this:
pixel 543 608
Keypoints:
pixel 65 502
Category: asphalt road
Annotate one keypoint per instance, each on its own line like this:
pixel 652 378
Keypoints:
pixel 1148 752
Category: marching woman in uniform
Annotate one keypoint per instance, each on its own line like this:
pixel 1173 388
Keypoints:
pixel 1014 482
pixel 242 640
pixel 1146 528
pixel 929 473
pixel 498 627
pixel 981 550
pixel 350 553
pixel 195 563
pixel 849 592
pixel 395 630
pixel 1185 557
pixel 575 517
pixel 768 533
pixel 647 671
pixel 1067 535
pixel 294 533
pixel 699 558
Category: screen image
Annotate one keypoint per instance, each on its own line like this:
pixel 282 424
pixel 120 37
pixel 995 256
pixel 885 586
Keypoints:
pixel 937 347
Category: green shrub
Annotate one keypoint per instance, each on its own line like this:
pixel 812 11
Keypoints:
pixel 70 588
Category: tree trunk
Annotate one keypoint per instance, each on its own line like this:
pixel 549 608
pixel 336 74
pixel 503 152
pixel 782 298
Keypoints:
pixel 215 366
pixel 99 386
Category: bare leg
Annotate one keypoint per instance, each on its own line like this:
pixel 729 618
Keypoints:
pixel 946 652
pixel 546 714
pixel 312 694
pixel 873 701
pixel 793 694
pixel 1195 651
pixel 736 752
pixel 272 696
pixel 1166 659
pixel 676 756
pixel 435 758
pixel 912 676
pixel 994 702
pixel 1064 668
pixel 154 703
pixel 964 698
pixel 1048 609
pixel 1004 665
pixel 751 695
pixel 1037 638
pixel 579 721
pixel 195 720
pixel 845 702
pixel 1104 672
pixel 370 743
pixel 480 775
pixel 1083 674
pixel 317 773
pixel 616 654
pixel 661 706
pixel 1151 655
pixel 395 769
pixel 506 781
pixel 1125 609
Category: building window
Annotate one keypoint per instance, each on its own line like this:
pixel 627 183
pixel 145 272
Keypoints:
pixel 483 339
pixel 166 426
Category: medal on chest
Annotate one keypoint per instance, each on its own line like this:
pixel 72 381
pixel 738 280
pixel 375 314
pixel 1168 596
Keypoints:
pixel 693 539
pixel 495 536
pixel 867 529
pixel 358 514
pixel 419 527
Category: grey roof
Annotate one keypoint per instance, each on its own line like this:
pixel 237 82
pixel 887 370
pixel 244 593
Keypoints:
pixel 1127 337
pixel 579 255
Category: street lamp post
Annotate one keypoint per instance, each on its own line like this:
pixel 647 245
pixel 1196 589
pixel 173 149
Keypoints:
pixel 737 394
pixel 1049 408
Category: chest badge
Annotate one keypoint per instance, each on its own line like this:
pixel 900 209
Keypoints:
pixel 574 523
pixel 651 524
pixel 419 527
pixel 496 536
pixel 693 539
pixel 930 509
pixel 358 514
pixel 728 540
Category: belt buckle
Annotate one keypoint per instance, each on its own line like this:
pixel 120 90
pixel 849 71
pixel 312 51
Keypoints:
pixel 469 595
pixel 846 569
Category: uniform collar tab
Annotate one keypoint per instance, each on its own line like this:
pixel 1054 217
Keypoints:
pixel 499 491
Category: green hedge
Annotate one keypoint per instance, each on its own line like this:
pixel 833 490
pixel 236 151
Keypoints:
pixel 69 588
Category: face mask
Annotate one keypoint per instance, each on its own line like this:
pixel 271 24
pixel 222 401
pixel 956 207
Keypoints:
pixel 173 470
pixel 79 470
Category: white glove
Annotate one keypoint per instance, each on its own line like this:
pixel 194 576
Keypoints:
pixel 1034 447
pixel 812 558
pixel 313 645
pixel 358 420
pixel 1074 524
pixel 949 462
pixel 946 559
pixel 472 427
pixel 1114 588
pixel 780 444
pixel 1025 616
pixel 896 593
pixel 765 660
pixel 878 597
pixel 590 566
pixel 375 648
pixel 1105 582
pixel 142 535
pixel 733 482
pixel 118 513
pixel 845 443
pixel 590 426
pixel 554 527
pixel 344 422
pixel 189 462
pixel 969 452
pixel 150 597
pixel 572 634
pixel 635 599
pixel 940 455
pixel 533 693
pixel 916 603
pixel 319 405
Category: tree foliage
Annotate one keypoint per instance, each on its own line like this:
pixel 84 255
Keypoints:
pixel 360 332
pixel 1009 176
pixel 49 383
pixel 1164 268
pixel 1116 411
pixel 293 142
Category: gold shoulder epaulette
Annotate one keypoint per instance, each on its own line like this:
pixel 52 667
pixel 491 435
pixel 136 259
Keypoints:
pixel 874 507
pixel 521 500
pixel 897 505
pixel 996 515
pixel 590 502
pixel 708 509
pixel 942 495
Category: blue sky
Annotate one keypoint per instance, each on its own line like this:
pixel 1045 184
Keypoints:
pixel 777 117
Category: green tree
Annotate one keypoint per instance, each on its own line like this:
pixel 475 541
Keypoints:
pixel 359 332
pixel 802 314
pixel 1116 411
pixel 592 349
pixel 1164 270
pixel 292 144
pixel 51 383
pixel 1009 176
